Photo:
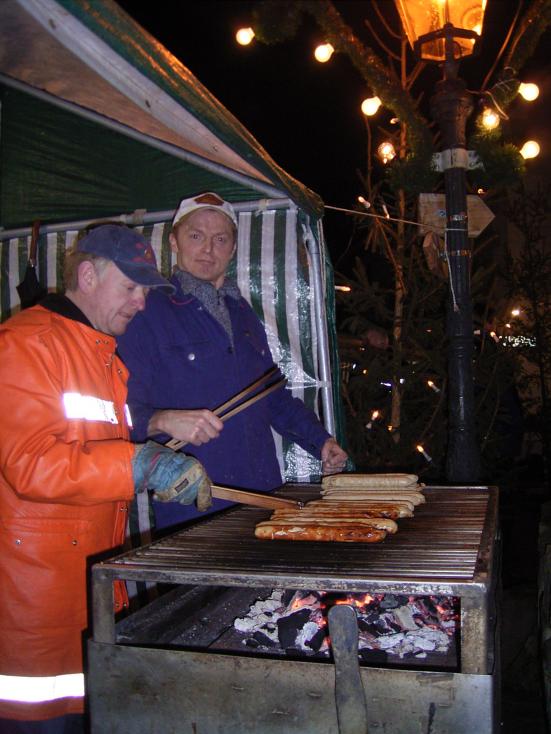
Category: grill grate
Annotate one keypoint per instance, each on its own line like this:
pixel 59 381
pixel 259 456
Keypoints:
pixel 445 548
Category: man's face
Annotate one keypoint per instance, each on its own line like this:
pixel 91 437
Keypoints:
pixel 116 300
pixel 204 244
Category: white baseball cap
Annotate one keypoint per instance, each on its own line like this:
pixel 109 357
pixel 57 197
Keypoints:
pixel 208 200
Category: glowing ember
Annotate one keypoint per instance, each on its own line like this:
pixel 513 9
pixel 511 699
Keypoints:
pixel 396 624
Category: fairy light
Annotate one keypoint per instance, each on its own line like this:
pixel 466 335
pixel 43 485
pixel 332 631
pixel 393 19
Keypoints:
pixel 530 149
pixel 490 119
pixel 390 428
pixel 364 202
pixel 343 288
pixel 422 451
pixel 529 91
pixel 386 152
pixel 370 106
pixel 244 36
pixel 432 386
pixel 323 52
pixel 374 415
pixel 515 312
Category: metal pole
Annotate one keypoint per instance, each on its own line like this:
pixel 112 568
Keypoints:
pixel 451 107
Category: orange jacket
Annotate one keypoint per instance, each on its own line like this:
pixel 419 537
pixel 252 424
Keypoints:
pixel 65 483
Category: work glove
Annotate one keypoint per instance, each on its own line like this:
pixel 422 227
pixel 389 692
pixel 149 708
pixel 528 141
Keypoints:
pixel 172 475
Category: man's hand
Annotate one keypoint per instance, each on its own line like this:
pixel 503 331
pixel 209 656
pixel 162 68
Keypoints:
pixel 192 426
pixel 333 458
pixel 172 475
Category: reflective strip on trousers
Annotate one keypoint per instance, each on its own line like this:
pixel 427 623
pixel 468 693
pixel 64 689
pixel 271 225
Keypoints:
pixel 39 689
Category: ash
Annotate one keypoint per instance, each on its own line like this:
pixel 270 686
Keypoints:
pixel 399 625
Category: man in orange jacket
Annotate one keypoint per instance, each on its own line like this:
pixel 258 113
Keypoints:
pixel 68 472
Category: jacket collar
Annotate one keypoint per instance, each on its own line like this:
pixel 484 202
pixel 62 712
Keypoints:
pixel 63 306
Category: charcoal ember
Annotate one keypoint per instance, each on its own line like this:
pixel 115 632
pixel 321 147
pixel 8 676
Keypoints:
pixel 286 597
pixel 306 634
pixel 388 641
pixel 390 601
pixel 317 640
pixel 263 639
pixel 404 618
pixel 371 629
pixel 288 627
pixel 251 642
pixel 371 617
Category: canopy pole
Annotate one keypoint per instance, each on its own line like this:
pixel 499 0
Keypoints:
pixel 139 217
pixel 326 389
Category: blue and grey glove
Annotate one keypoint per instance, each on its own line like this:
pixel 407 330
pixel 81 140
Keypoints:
pixel 172 475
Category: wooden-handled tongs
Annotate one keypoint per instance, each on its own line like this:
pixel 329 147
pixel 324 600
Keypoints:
pixel 234 403
pixel 248 396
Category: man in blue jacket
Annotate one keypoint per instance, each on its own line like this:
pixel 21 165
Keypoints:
pixel 190 352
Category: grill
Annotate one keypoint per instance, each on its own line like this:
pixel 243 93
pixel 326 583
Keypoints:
pixel 448 548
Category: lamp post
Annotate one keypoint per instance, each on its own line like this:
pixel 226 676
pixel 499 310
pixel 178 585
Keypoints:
pixel 444 31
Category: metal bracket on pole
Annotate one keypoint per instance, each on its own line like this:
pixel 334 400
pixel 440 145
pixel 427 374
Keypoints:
pixel 456 158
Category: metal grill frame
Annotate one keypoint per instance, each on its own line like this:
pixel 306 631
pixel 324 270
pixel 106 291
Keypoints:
pixel 447 548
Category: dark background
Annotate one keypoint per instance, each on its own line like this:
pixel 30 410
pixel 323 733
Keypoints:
pixel 306 114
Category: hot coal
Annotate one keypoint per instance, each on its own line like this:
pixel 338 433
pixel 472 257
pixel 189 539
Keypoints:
pixel 288 627
pixel 392 624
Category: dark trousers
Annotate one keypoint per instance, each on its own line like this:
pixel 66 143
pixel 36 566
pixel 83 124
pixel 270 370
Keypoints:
pixel 69 724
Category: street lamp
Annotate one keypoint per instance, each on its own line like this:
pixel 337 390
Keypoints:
pixel 445 31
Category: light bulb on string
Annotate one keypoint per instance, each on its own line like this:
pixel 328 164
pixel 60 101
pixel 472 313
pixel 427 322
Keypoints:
pixel 515 312
pixel 529 91
pixel 370 106
pixel 244 36
pixel 530 149
pixel 374 415
pixel 386 151
pixel 422 451
pixel 490 119
pixel 323 52
pixel 364 202
pixel 432 386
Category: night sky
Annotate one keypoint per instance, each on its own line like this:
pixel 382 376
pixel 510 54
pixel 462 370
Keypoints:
pixel 306 114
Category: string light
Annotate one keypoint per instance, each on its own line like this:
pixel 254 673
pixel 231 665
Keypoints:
pixel 323 52
pixel 364 202
pixel 530 149
pixel 530 91
pixel 422 451
pixel 490 119
pixel 244 36
pixel 343 288
pixel 515 312
pixel 370 106
pixel 374 415
pixel 432 386
pixel 386 152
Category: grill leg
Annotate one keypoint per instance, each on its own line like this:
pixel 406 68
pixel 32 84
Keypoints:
pixel 349 692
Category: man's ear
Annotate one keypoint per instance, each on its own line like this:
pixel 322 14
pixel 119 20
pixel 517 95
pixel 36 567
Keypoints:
pixel 87 277
pixel 173 242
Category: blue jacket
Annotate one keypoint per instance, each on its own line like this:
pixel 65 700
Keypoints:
pixel 179 356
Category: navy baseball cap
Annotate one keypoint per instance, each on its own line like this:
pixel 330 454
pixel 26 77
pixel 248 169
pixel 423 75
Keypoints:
pixel 128 250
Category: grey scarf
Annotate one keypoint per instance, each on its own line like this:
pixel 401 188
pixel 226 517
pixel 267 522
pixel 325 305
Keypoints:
pixel 212 299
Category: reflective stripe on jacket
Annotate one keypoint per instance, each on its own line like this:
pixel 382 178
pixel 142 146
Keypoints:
pixel 65 482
